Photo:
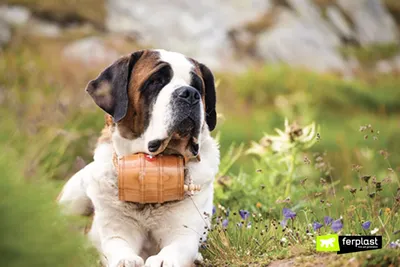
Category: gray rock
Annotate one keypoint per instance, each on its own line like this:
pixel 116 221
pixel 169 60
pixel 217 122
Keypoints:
pixel 5 33
pixel 396 63
pixel 196 29
pixel 298 42
pixel 339 22
pixel 91 51
pixel 311 15
pixel 384 67
pixel 372 22
pixel 15 15
pixel 46 29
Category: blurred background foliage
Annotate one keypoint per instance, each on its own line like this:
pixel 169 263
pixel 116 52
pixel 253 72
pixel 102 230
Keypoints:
pixel 49 125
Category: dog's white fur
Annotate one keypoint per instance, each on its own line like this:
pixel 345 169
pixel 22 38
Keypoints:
pixel 121 230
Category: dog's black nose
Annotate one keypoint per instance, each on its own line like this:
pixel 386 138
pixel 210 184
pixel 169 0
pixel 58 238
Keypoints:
pixel 189 94
pixel 154 145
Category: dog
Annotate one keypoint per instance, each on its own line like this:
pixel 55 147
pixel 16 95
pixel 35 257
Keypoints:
pixel 155 101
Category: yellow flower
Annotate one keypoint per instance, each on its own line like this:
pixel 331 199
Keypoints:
pixel 258 205
pixel 387 211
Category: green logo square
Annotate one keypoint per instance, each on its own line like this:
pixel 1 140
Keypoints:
pixel 328 243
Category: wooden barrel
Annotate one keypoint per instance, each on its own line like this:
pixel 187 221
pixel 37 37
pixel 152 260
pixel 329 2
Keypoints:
pixel 146 179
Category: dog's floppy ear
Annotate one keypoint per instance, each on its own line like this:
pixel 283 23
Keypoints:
pixel 210 96
pixel 110 89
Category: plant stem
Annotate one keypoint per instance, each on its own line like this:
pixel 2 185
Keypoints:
pixel 290 176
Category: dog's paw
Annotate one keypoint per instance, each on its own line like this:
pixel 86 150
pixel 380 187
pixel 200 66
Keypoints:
pixel 132 262
pixel 158 261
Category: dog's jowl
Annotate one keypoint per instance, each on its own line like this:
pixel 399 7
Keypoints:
pixel 157 103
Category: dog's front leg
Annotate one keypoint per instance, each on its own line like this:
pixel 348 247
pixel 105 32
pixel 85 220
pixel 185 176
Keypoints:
pixel 181 252
pixel 121 243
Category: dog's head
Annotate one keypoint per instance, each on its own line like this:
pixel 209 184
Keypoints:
pixel 161 97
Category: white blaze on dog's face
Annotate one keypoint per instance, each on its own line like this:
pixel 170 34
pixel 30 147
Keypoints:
pixel 159 100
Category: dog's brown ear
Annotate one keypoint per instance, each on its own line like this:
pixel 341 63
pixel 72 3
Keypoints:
pixel 210 96
pixel 110 89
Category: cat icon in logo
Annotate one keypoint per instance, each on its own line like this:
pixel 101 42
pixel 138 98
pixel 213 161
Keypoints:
pixel 328 243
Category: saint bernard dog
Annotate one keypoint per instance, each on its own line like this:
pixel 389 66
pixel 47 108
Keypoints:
pixel 155 101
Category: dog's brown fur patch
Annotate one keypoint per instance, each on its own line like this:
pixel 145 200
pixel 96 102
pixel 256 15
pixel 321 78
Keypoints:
pixel 133 124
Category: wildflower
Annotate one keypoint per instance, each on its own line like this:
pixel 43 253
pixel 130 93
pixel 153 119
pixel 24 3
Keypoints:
pixel 374 231
pixel 248 225
pixel 328 220
pixel 225 223
pixel 283 222
pixel 387 211
pixel 244 214
pixel 258 205
pixel 302 182
pixel 317 225
pixel 337 225
pixel 394 245
pixel 283 240
pixel 288 213
pixel 239 225
pixel 366 225
pixel 214 210
pixel 366 178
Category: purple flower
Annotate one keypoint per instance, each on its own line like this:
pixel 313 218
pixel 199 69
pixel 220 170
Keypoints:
pixel 244 214
pixel 366 225
pixel 239 225
pixel 225 223
pixel 337 225
pixel 328 220
pixel 317 225
pixel 288 213
pixel 249 225
pixel 283 222
pixel 214 210
pixel 393 245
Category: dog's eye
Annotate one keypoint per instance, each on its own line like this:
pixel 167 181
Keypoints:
pixel 156 84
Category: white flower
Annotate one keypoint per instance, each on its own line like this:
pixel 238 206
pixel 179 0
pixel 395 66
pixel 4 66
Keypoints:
pixel 374 231
pixel 283 240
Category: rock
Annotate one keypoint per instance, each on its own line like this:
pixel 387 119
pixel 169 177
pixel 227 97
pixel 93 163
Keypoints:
pixel 396 63
pixel 383 67
pixel 372 22
pixel 311 15
pixel 198 30
pixel 339 22
pixel 15 15
pixel 298 42
pixel 5 33
pixel 45 29
pixel 91 52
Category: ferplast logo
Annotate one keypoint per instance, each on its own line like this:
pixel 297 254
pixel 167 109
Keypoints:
pixel 328 243
pixel 348 244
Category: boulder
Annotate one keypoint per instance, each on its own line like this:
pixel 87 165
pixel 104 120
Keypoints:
pixel 45 29
pixel 15 15
pixel 372 22
pixel 91 52
pixel 196 29
pixel 297 41
pixel 5 33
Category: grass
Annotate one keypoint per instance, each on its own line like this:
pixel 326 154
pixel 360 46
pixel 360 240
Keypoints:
pixel 49 122
pixel 371 54
pixel 67 11
pixel 250 228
